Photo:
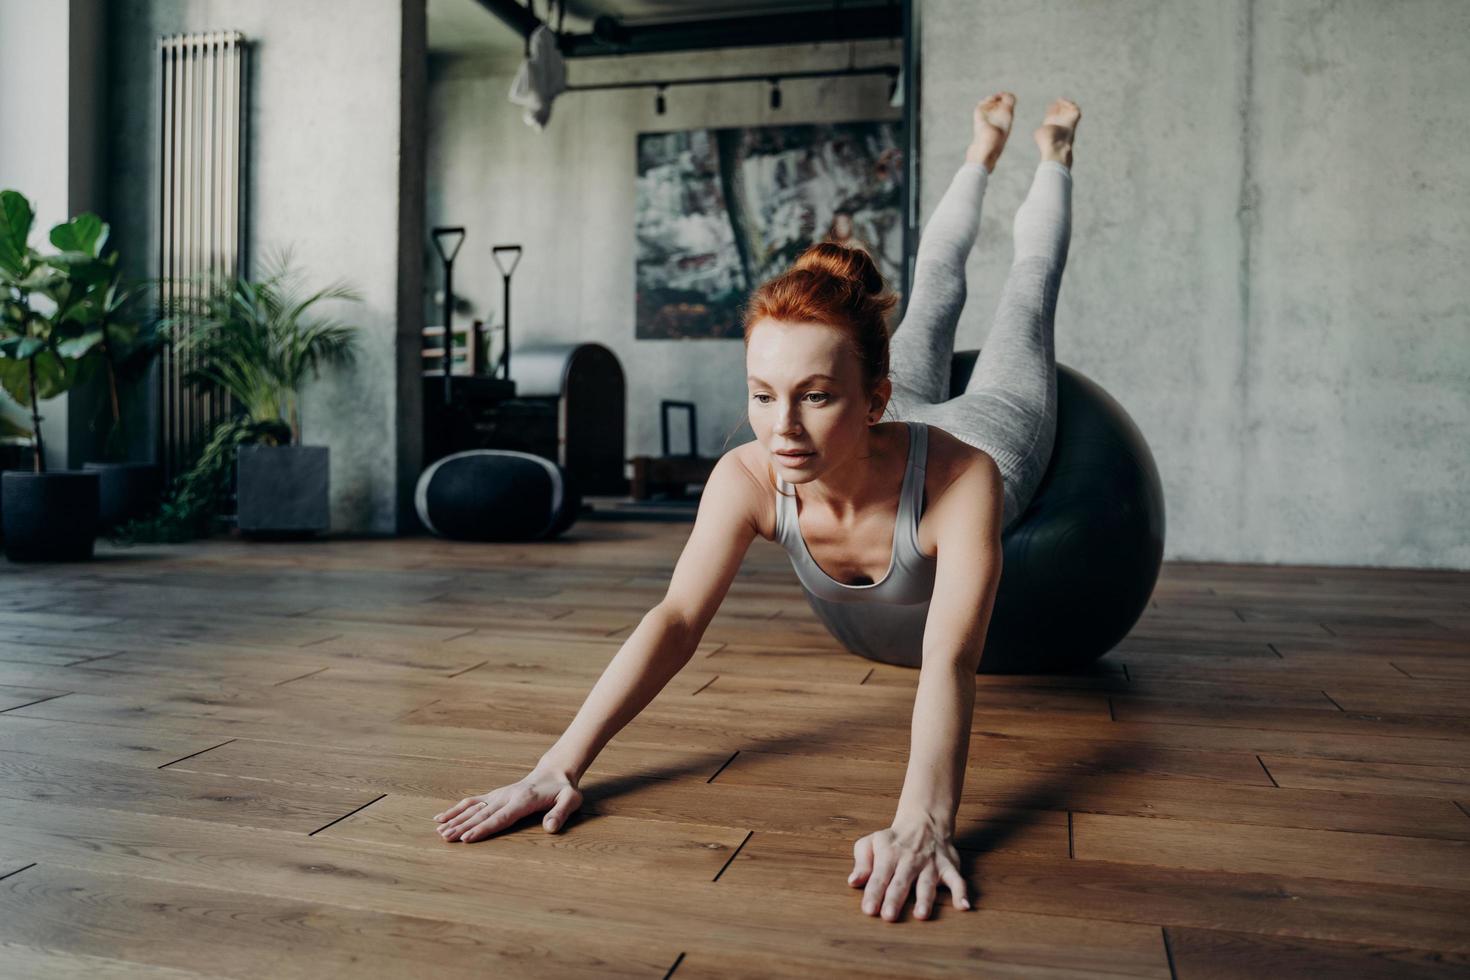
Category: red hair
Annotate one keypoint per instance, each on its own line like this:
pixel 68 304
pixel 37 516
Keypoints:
pixel 838 286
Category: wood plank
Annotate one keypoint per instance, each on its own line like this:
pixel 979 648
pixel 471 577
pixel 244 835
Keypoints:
pixel 1216 953
pixel 1217 846
pixel 1432 668
pixel 1290 719
pixel 33 961
pixel 1439 782
pixel 1404 696
pixel 857 775
pixel 242 803
pixel 1273 904
pixel 90 915
pixel 12 698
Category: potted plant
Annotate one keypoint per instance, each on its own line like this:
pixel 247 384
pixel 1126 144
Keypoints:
pixel 129 341
pixel 259 341
pixel 15 448
pixel 43 353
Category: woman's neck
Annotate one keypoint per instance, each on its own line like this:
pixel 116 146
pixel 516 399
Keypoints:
pixel 861 483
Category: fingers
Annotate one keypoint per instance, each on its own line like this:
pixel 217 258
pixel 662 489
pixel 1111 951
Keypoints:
pixel 898 889
pixel 493 823
pixel 955 882
pixel 862 862
pixel 459 807
pixel 458 824
pixel 883 867
pixel 924 892
pixel 890 872
pixel 566 801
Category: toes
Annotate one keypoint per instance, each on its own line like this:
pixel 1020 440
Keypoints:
pixel 1063 112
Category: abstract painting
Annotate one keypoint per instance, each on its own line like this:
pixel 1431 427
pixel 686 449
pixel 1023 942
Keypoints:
pixel 719 211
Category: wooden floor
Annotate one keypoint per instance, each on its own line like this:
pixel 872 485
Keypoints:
pixel 223 760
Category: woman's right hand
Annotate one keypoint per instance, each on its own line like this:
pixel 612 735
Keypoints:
pixel 476 817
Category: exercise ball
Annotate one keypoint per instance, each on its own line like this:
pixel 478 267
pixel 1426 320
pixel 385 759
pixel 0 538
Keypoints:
pixel 1081 561
pixel 496 495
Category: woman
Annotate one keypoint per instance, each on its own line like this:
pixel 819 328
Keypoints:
pixel 917 589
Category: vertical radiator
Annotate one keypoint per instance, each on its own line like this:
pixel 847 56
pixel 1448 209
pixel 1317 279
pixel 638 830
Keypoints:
pixel 200 234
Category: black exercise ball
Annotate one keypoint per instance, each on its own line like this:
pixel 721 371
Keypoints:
pixel 496 495
pixel 1081 562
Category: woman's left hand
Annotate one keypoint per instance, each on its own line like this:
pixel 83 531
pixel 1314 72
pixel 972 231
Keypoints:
pixel 908 854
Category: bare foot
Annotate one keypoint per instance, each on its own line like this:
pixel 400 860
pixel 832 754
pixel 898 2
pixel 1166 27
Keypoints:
pixel 1054 136
pixel 992 126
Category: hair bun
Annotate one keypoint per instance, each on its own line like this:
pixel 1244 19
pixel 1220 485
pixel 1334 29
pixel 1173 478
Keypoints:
pixel 851 264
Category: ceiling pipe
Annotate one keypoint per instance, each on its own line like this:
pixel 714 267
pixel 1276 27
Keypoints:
pixel 518 17
pixel 610 37
pixel 806 27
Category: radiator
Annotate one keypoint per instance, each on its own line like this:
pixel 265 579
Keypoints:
pixel 200 232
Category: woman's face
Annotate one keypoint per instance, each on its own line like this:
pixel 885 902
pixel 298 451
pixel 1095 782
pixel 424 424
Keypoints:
pixel 805 390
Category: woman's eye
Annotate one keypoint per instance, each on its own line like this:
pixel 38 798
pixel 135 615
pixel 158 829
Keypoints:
pixel 763 398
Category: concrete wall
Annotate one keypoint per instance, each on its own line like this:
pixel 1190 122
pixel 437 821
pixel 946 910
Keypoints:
pixel 567 195
pixel 1268 256
pixel 51 70
pixel 334 173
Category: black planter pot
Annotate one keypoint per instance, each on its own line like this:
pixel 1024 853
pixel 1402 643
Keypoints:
pixel 282 491
pixel 127 490
pixel 49 516
pixel 13 457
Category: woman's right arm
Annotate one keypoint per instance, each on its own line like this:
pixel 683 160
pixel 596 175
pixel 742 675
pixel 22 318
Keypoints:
pixel 664 641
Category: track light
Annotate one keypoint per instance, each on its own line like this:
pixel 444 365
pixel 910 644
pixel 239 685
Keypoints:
pixel 659 104
pixel 775 93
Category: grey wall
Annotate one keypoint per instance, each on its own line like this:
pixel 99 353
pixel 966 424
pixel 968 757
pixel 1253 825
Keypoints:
pixel 567 195
pixel 1271 232
pixel 335 172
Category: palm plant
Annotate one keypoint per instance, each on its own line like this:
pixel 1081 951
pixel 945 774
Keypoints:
pixel 258 341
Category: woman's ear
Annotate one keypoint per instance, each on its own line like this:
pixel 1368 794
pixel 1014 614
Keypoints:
pixel 879 402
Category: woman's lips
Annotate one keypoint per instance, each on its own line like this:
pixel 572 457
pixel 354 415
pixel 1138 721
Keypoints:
pixel 794 458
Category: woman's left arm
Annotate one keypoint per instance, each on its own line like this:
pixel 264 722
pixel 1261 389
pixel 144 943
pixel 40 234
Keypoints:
pixel 918 851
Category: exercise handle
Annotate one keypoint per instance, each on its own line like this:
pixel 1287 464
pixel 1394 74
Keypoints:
pixel 445 232
pixel 495 253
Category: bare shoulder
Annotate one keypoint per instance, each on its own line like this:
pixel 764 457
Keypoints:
pixel 755 468
pixel 950 459
pixel 959 482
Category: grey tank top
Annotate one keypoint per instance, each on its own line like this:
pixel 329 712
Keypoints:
pixel 885 620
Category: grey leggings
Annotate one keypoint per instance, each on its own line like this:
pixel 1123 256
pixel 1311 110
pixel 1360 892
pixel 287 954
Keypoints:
pixel 1009 407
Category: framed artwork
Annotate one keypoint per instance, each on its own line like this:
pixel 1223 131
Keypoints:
pixel 719 211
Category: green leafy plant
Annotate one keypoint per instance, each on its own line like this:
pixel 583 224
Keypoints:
pixel 14 432
pixel 260 340
pixel 131 338
pixel 199 494
pixel 44 346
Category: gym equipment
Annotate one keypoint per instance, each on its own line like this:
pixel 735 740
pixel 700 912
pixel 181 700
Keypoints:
pixel 503 369
pixel 496 495
pixel 671 473
pixel 1081 562
pixel 438 234
pixel 582 386
pixel 570 410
